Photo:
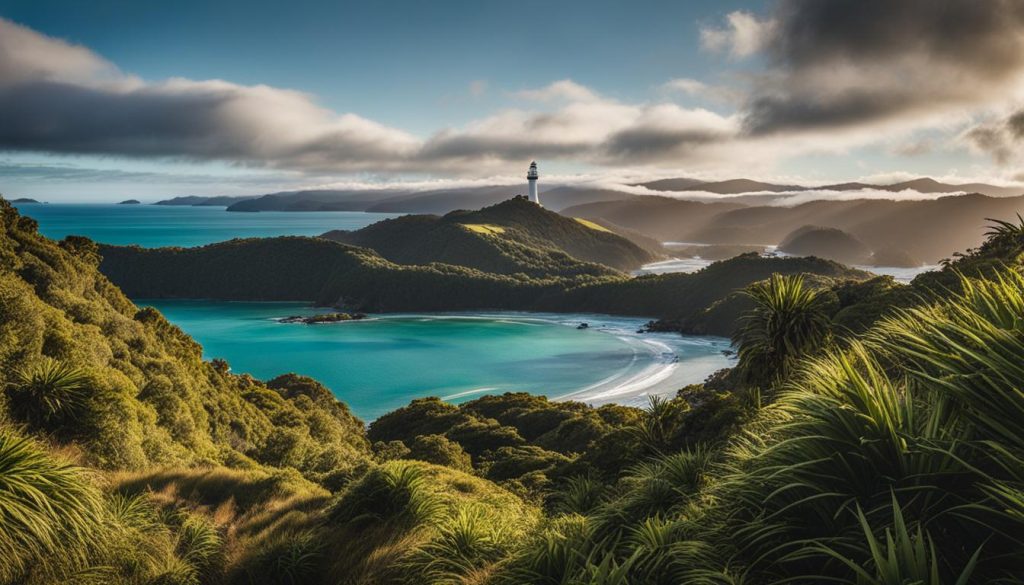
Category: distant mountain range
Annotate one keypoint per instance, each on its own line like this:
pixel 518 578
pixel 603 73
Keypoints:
pixel 736 212
pixel 441 201
pixel 200 201
pixel 925 231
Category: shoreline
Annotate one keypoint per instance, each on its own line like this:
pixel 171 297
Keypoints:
pixel 383 362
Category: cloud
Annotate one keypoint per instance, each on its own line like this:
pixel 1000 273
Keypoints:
pixel 686 86
pixel 827 77
pixel 853 63
pixel 1002 138
pixel 743 35
pixel 62 98
pixel 597 130
pixel 565 89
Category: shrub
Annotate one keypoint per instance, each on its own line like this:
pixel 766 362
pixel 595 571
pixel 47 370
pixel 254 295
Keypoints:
pixel 439 450
pixel 49 511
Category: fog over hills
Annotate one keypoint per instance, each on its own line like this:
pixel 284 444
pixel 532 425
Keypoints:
pixel 927 230
pixel 922 221
pixel 561 196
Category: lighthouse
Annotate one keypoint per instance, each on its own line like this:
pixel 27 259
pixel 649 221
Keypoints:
pixel 531 176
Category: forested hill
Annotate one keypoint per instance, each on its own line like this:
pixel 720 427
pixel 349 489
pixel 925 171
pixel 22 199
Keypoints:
pixel 317 270
pixel 81 363
pixel 335 274
pixel 514 236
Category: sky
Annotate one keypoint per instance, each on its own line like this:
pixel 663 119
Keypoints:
pixel 105 100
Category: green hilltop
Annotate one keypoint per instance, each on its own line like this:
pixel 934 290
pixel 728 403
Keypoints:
pixel 514 236
pixel 887 454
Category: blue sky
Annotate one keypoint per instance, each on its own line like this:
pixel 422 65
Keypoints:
pixel 404 63
pixel 393 91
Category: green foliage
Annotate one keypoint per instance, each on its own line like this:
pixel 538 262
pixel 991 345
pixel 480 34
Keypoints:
pixel 393 492
pixel 330 273
pixel 81 363
pixel 439 450
pixel 904 556
pixel 894 457
pixel 48 395
pixel 289 559
pixel 532 241
pixel 581 495
pixel 324 272
pixel 509 436
pixel 467 542
pixel 788 323
pixel 678 300
pixel 49 511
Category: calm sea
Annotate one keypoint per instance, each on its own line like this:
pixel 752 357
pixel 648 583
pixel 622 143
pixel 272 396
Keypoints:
pixel 152 226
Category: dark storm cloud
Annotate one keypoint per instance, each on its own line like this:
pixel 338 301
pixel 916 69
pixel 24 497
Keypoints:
pixel 646 143
pixel 1001 139
pixel 839 63
pixel 62 117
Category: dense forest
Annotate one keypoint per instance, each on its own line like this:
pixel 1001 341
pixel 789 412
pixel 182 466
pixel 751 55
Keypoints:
pixel 330 273
pixel 887 455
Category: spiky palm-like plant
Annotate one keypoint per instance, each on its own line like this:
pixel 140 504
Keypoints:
pixel 788 322
pixel 557 554
pixel 199 544
pixel 48 511
pixel 904 555
pixel 928 408
pixel 394 492
pixel 466 544
pixel 48 394
pixel 581 495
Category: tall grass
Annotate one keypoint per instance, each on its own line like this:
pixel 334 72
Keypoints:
pixel 394 492
pixel 467 543
pixel 49 510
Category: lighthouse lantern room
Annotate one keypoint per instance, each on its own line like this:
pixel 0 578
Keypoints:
pixel 531 177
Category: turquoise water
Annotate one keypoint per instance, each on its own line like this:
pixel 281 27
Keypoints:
pixel 382 363
pixel 152 226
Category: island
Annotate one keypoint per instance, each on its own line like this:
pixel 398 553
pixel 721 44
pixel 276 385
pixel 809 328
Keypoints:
pixel 323 318
pixel 24 200
pixel 130 202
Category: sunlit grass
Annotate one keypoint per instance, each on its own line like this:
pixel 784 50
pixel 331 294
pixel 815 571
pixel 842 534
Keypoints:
pixel 484 228
pixel 592 225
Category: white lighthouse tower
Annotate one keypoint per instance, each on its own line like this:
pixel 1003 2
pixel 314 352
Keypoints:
pixel 531 176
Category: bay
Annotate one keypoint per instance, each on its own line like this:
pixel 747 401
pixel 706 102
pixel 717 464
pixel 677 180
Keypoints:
pixel 383 362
